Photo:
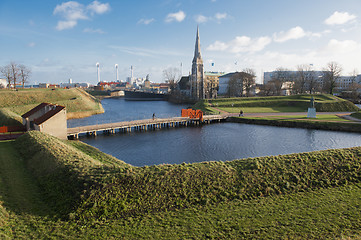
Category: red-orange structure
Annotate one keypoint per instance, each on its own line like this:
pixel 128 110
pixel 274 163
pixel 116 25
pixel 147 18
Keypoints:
pixel 192 114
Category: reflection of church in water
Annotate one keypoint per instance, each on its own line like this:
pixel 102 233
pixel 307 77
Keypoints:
pixel 199 84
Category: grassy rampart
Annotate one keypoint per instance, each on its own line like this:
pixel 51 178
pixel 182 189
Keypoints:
pixel 295 103
pixel 9 118
pixel 341 125
pixel 356 115
pixel 77 181
pixel 265 197
pixel 167 187
pixel 62 170
pixel 78 103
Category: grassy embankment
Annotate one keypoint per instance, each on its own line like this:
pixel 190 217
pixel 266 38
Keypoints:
pixel 78 103
pixel 305 195
pixel 356 115
pixel 298 103
pixel 295 103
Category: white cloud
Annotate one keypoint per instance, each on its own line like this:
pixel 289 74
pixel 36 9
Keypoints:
pixel 90 30
pixel 241 44
pixel 217 46
pixel 65 24
pixel 201 19
pixel 71 12
pixel 293 33
pixel 217 17
pixel 346 46
pixel 146 52
pixel 146 21
pixel 31 44
pixel 98 8
pixel 339 18
pixel 220 16
pixel 178 16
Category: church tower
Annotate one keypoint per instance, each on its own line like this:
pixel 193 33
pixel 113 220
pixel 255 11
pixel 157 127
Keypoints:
pixel 197 76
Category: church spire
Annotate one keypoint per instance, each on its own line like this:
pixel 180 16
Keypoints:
pixel 197 49
pixel 197 77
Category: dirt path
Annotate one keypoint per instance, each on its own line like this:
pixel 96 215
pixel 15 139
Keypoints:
pixel 18 189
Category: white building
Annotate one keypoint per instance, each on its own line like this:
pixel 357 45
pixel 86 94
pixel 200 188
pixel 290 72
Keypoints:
pixel 223 83
pixel 3 83
pixel 74 85
pixel 342 83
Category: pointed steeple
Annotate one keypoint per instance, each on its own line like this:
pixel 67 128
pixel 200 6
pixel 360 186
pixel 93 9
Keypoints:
pixel 197 76
pixel 197 49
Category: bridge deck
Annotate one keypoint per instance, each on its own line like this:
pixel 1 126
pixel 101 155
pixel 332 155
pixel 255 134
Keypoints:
pixel 143 124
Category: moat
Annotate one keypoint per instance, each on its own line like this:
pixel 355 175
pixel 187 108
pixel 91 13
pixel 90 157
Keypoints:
pixel 215 142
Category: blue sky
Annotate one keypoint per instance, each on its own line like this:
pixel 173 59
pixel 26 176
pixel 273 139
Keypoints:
pixel 59 40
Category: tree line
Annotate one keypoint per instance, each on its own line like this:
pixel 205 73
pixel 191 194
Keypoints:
pixel 15 74
pixel 242 83
pixel 307 80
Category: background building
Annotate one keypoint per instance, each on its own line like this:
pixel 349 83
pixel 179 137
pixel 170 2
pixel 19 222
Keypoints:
pixel 211 84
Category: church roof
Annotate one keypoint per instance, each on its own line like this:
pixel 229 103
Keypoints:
pixel 227 75
pixel 184 83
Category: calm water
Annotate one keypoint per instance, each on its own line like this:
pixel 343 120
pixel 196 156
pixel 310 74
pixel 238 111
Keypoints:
pixel 221 141
pixel 118 110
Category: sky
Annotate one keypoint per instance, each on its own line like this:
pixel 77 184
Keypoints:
pixel 59 40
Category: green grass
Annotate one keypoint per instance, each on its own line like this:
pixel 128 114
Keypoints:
pixel 295 103
pixel 64 172
pixel 262 109
pixel 9 118
pixel 121 190
pixel 204 106
pixel 323 117
pixel 331 213
pixel 75 100
pixel 356 115
pixel 90 195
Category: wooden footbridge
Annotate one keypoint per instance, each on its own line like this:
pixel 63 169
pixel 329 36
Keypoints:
pixel 142 125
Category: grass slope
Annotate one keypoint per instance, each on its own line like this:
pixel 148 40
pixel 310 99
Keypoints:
pixel 78 103
pixel 97 190
pixel 304 195
pixel 62 171
pixel 295 103
pixel 9 118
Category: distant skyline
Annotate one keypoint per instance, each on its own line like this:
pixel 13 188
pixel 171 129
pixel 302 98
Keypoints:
pixel 59 40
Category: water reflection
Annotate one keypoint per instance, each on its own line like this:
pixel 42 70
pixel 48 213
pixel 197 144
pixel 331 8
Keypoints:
pixel 117 110
pixel 215 142
pixel 224 141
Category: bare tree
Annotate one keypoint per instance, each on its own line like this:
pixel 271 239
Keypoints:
pixel 306 80
pixel 6 73
pixel 352 92
pixel 24 74
pixel 172 75
pixel 249 80
pixel 330 75
pixel 301 79
pixel 235 85
pixel 267 89
pixel 353 76
pixel 14 73
pixel 280 76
